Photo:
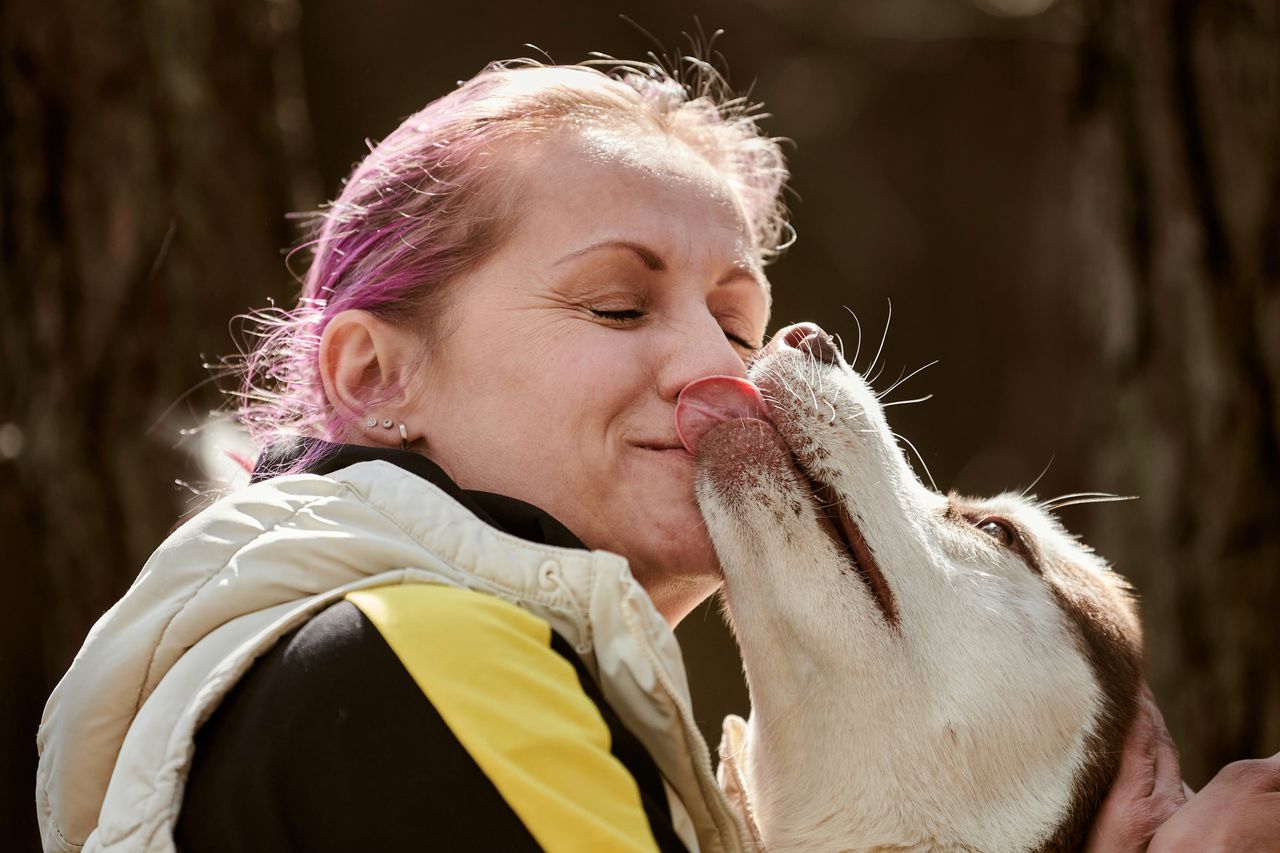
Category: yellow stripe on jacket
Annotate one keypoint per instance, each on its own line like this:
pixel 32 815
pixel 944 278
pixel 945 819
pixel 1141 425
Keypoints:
pixel 518 709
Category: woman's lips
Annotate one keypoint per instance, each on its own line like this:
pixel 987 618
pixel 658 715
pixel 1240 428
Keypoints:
pixel 712 400
pixel 676 451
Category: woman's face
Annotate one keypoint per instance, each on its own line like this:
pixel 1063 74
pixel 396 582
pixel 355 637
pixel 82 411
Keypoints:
pixel 630 274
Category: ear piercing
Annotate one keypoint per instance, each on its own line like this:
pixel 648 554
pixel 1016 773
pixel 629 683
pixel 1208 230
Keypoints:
pixel 387 423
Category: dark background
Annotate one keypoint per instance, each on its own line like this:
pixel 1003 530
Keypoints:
pixel 1075 209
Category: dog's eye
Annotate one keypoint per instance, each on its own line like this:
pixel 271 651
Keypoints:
pixel 999 530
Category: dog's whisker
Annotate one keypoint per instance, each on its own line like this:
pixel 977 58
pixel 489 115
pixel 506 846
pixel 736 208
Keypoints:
pixel 923 465
pixel 907 402
pixel 883 337
pixel 794 393
pixel 1037 479
pixel 1049 501
pixel 874 378
pixel 839 343
pixel 812 397
pixel 880 394
pixel 858 350
pixel 1099 500
pixel 889 390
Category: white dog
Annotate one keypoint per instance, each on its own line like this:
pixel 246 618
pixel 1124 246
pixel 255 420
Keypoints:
pixel 927 672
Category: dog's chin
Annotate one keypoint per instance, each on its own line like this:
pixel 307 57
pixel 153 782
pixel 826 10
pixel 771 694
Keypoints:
pixel 735 455
pixel 748 462
pixel 745 474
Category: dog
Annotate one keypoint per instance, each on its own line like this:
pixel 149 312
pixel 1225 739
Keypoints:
pixel 926 671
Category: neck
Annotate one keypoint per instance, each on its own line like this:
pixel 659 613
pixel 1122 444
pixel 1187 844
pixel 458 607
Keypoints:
pixel 675 598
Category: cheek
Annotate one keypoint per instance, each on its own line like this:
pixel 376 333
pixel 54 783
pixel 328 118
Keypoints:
pixel 568 415
pixel 537 398
pixel 590 377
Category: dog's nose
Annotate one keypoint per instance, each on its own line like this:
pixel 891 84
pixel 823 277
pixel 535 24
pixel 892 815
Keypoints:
pixel 809 338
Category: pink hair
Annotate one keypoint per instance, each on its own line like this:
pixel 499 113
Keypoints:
pixel 427 204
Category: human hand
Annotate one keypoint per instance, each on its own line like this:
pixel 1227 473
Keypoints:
pixel 1147 789
pixel 1239 810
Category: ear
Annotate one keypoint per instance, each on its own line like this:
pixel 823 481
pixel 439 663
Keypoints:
pixel 363 363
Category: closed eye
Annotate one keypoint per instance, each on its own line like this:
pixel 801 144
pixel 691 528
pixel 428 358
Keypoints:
pixel 633 314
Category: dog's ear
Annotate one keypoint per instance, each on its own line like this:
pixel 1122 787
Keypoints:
pixel 732 774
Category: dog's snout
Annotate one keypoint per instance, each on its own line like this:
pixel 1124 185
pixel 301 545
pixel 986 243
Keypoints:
pixel 810 339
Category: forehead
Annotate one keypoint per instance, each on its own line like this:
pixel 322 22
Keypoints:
pixel 584 185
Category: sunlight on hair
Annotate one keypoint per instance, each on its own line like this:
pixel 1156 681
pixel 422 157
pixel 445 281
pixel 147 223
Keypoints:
pixel 225 452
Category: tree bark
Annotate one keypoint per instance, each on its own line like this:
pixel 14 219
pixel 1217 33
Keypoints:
pixel 151 151
pixel 1178 208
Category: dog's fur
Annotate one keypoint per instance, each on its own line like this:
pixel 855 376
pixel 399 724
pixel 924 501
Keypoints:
pixel 975 698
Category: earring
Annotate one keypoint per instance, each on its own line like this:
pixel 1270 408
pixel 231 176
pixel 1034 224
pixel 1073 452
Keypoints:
pixel 387 423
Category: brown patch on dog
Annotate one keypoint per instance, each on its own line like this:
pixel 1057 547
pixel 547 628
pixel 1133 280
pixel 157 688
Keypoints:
pixel 1103 615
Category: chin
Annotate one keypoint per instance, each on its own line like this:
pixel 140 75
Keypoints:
pixel 672 550
pixel 676 548
pixel 695 561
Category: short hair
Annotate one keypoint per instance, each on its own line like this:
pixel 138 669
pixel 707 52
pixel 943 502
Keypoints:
pixel 426 205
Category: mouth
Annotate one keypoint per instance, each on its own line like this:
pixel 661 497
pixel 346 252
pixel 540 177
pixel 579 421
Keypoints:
pixel 674 450
pixel 844 533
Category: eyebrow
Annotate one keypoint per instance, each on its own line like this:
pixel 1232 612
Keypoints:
pixel 653 261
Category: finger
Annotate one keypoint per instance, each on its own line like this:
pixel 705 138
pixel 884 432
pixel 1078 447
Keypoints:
pixel 1273 774
pixel 1136 773
pixel 1121 823
pixel 1168 769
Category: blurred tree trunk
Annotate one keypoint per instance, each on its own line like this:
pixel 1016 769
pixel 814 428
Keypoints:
pixel 1178 208
pixel 150 153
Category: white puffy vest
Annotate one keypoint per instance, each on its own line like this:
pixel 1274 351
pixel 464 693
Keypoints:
pixel 117 734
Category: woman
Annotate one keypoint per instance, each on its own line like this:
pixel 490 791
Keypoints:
pixel 408 642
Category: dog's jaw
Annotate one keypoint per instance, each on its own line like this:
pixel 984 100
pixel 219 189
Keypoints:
pixel 868 731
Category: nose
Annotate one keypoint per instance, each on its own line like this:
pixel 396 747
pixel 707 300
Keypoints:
pixel 696 349
pixel 809 339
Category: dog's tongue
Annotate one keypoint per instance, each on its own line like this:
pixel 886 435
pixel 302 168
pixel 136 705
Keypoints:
pixel 712 400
